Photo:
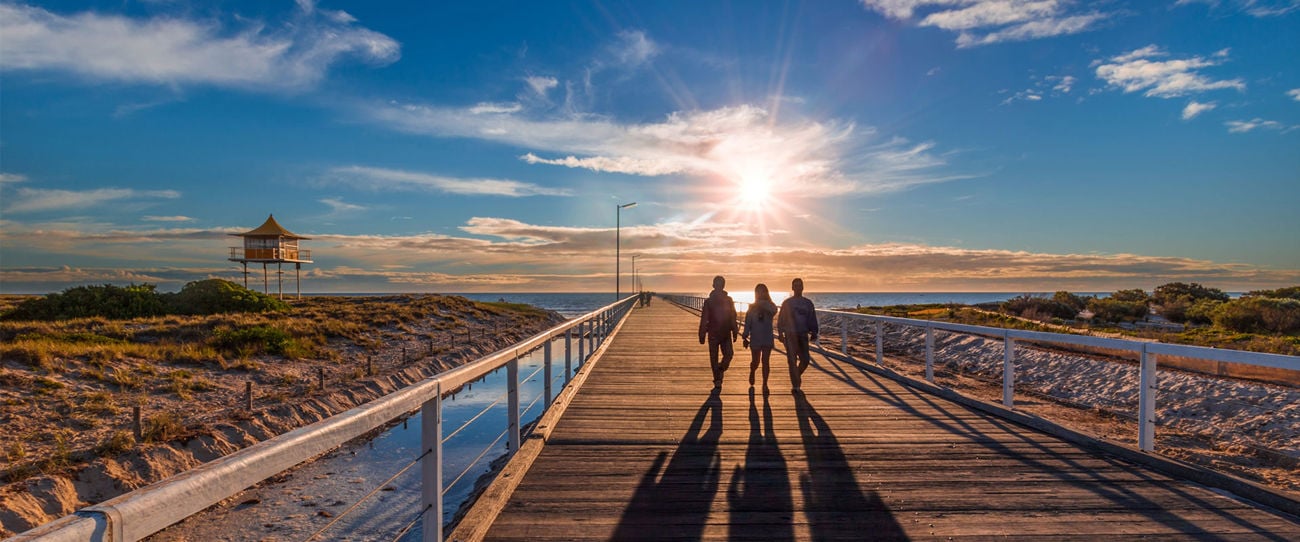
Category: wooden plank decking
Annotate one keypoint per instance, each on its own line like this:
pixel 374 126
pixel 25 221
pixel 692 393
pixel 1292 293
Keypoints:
pixel 647 451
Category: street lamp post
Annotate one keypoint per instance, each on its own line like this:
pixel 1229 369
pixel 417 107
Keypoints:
pixel 634 288
pixel 618 215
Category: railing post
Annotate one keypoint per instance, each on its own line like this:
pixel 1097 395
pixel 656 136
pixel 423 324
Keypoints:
pixel 431 469
pixel 880 342
pixel 929 354
pixel 1008 371
pixel 512 394
pixel 568 355
pixel 1147 402
pixel 844 335
pixel 546 360
pixel 591 335
pixel 582 342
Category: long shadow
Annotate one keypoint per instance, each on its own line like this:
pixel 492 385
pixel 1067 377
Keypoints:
pixel 837 508
pixel 1093 481
pixel 673 501
pixel 762 507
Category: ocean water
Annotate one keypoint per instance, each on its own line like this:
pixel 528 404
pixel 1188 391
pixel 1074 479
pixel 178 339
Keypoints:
pixel 571 305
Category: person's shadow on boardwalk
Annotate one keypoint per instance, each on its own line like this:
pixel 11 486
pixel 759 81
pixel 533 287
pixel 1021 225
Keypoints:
pixel 674 501
pixel 836 506
pixel 762 507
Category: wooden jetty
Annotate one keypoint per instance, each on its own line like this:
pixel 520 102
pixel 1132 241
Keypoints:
pixel 647 450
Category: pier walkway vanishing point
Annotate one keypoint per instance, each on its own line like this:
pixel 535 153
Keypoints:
pixel 646 450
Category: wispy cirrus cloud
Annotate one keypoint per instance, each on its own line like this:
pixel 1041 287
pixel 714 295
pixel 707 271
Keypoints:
pixel 11 178
pixel 1195 108
pixel 540 84
pixel 1294 94
pixel 174 50
pixel 983 22
pixel 1151 70
pixel 173 218
pixel 1243 126
pixel 30 200
pixel 1256 8
pixel 338 206
pixel 1051 85
pixel 805 157
pixel 384 179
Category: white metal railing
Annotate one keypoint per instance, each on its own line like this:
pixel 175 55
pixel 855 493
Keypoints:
pixel 140 513
pixel 1147 353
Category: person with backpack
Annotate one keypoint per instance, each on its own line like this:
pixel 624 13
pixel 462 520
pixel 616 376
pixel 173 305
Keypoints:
pixel 797 328
pixel 718 326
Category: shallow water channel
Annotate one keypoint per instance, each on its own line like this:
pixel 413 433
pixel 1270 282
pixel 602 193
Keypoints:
pixel 347 494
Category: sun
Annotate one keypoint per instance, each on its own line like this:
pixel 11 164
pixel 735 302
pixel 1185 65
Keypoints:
pixel 755 192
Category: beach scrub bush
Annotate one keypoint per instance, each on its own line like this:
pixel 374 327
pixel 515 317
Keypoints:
pixel 1115 310
pixel 107 301
pixel 1175 299
pixel 1038 308
pixel 1259 315
pixel 1291 292
pixel 217 296
pixel 256 339
pixel 1135 295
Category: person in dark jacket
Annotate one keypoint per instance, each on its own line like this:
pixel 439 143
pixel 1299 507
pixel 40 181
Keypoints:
pixel 797 327
pixel 758 335
pixel 718 326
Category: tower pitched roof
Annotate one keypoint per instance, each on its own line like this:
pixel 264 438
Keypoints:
pixel 270 228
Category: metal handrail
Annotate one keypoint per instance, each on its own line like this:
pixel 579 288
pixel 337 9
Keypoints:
pixel 145 511
pixel 1147 353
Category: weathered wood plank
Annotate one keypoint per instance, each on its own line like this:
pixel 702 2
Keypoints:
pixel 647 450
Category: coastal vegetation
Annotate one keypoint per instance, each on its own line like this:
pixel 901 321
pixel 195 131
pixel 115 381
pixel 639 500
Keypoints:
pixel 1176 312
pixel 72 378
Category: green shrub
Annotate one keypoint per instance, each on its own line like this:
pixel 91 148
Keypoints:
pixel 256 339
pixel 1202 312
pixel 1188 293
pixel 1114 310
pixel 1292 292
pixel 1037 308
pixel 107 301
pixel 217 296
pixel 1135 295
pixel 212 296
pixel 1076 302
pixel 1259 314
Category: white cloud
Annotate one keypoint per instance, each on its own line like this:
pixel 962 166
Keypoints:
pixel 541 85
pixel 1054 85
pixel 982 22
pixel 169 50
pixel 801 156
pixel 634 48
pixel 1294 94
pixel 486 108
pixel 10 178
pixel 631 166
pixel 1256 8
pixel 1062 84
pixel 28 200
pixel 1140 69
pixel 337 205
pixel 374 178
pixel 1195 108
pixel 1243 126
pixel 677 255
pixel 174 218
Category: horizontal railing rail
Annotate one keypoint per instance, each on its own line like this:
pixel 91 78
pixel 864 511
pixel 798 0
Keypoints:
pixel 145 511
pixel 1147 353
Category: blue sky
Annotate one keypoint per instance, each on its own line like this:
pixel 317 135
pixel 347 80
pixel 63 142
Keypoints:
pixel 872 145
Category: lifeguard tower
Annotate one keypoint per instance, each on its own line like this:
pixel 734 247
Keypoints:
pixel 271 243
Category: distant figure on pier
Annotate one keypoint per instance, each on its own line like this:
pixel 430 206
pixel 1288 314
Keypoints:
pixel 797 327
pixel 718 325
pixel 758 335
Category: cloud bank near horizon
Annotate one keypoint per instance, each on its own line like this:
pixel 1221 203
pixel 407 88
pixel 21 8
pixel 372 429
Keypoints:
pixel 500 254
